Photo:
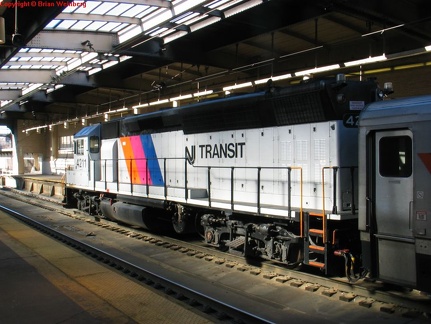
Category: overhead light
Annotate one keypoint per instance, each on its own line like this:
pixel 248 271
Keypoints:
pixel 188 96
pixel 140 106
pixel 428 48
pixel 366 60
pixel 159 102
pixel 274 78
pixel 238 86
pixel 243 7
pixel 203 93
pixel 318 70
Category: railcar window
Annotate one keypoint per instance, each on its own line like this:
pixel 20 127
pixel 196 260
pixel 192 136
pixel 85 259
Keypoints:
pixel 94 144
pixel 395 156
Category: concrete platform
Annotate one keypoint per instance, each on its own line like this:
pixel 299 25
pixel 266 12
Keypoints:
pixel 42 281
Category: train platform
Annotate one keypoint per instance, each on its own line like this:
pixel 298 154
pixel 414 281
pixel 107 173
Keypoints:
pixel 43 281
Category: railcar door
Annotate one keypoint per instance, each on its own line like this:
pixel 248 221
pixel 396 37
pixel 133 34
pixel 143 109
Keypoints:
pixel 393 206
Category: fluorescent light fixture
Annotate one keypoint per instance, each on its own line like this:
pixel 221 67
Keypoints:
pixel 204 23
pixel 174 36
pixel 188 96
pixel 203 93
pixel 140 106
pixel 238 86
pixel 428 48
pixel 243 7
pixel 274 78
pixel 318 69
pixel 366 60
pixel 159 102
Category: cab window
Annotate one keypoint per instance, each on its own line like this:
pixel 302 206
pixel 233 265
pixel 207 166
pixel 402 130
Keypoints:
pixel 395 156
pixel 79 146
pixel 94 144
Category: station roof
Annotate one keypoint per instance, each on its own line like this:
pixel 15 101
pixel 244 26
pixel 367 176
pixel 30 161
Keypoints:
pixel 67 60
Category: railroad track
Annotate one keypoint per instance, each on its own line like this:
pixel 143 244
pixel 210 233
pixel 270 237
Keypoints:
pixel 218 309
pixel 414 306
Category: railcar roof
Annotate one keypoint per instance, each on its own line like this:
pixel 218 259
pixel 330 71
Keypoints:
pixel 398 110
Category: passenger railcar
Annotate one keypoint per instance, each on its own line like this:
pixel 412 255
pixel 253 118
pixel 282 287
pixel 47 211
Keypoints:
pixel 273 174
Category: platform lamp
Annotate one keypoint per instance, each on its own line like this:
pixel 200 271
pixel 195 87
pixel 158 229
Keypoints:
pixel 2 31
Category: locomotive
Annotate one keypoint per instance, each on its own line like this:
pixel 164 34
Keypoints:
pixel 324 174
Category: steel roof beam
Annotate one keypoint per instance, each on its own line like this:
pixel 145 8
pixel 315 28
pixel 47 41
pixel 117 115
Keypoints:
pixel 73 40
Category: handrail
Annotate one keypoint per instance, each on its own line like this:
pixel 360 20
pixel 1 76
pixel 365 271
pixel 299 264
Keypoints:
pixel 335 170
pixel 209 168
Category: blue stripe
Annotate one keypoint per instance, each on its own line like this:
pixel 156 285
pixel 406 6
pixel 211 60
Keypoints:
pixel 153 163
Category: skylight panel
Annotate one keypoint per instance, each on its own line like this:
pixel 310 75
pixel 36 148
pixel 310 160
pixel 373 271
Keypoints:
pixel 95 25
pixel 109 26
pixel 70 9
pixel 81 24
pixel 59 59
pixel 104 8
pixel 134 31
pixel 35 50
pixel 146 12
pixel 120 9
pixel 53 24
pixel 186 5
pixel 120 27
pixel 66 24
pixel 157 31
pixel 133 12
pixel 89 6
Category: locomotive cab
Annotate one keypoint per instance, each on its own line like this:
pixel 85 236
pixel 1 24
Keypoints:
pixel 86 157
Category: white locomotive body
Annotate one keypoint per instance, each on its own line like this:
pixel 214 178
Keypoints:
pixel 272 174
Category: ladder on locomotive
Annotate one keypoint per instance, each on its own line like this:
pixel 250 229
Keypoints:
pixel 315 243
